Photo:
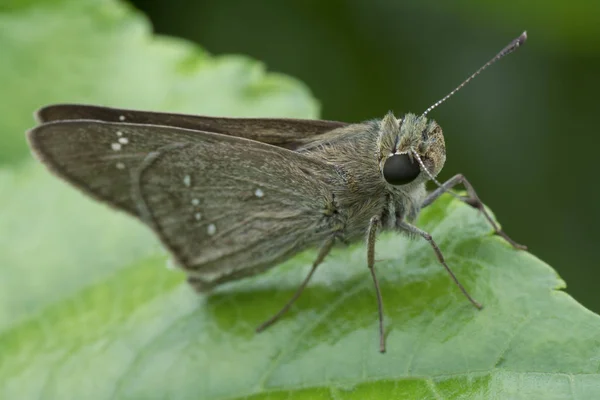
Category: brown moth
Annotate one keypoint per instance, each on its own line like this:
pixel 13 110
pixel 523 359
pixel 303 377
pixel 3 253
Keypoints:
pixel 233 197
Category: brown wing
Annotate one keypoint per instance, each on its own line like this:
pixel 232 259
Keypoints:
pixel 283 132
pixel 225 207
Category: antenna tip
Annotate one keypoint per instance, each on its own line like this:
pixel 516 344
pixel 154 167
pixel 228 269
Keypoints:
pixel 521 39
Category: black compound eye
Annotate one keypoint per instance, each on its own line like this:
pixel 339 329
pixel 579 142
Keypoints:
pixel 399 169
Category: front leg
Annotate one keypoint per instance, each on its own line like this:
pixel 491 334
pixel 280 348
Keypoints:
pixel 472 200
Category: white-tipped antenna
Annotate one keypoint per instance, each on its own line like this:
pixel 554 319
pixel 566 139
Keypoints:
pixel 512 46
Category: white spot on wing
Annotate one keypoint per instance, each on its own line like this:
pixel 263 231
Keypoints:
pixel 123 140
pixel 195 202
pixel 197 216
pixel 187 180
pixel 115 146
pixel 259 193
pixel 211 229
pixel 121 118
pixel 120 165
pixel 119 133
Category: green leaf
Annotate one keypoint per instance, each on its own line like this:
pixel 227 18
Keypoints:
pixel 100 51
pixel 88 309
pixel 142 333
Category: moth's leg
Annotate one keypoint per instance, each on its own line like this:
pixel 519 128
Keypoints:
pixel 472 200
pixel 325 248
pixel 413 229
pixel 371 236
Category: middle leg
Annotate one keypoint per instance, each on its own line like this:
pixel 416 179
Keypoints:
pixel 413 229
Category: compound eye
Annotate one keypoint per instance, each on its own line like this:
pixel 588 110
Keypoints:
pixel 399 169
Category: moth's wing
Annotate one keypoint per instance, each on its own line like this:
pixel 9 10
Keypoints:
pixel 283 132
pixel 225 207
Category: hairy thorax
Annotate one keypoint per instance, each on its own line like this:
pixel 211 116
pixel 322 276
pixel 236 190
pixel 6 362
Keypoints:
pixel 358 190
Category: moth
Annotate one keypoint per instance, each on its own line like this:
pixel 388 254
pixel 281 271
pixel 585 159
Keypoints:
pixel 232 197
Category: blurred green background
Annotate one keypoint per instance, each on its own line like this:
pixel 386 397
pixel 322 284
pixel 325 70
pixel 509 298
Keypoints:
pixel 525 133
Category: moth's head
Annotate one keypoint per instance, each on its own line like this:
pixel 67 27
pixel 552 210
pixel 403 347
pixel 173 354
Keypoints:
pixel 411 149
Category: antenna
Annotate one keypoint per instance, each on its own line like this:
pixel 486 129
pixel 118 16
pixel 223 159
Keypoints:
pixel 512 46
